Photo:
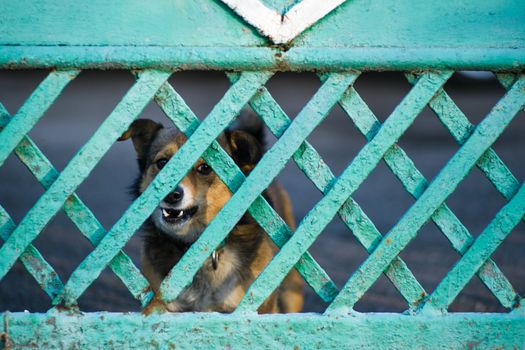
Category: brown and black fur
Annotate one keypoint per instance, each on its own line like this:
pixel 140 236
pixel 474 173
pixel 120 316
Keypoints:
pixel 247 249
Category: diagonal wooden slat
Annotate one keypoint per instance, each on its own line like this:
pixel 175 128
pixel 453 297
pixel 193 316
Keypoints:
pixel 221 115
pixel 79 167
pixel 33 109
pixel 310 162
pixel 34 263
pixel 496 171
pixel 442 186
pixel 268 167
pixel 176 109
pixel 486 243
pixel 507 80
pixel 82 217
pixel 366 160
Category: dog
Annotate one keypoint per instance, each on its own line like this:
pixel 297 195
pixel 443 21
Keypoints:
pixel 183 214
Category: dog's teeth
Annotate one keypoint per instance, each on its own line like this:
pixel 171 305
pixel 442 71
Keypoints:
pixel 180 214
pixel 165 213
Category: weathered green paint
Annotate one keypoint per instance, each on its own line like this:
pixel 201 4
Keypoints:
pixel 79 167
pixel 81 216
pixel 35 264
pixel 460 128
pixel 442 186
pixel 162 23
pixel 103 330
pixel 415 183
pixel 421 24
pixel 262 58
pixel 359 35
pixel 366 160
pixel 486 243
pixel 32 110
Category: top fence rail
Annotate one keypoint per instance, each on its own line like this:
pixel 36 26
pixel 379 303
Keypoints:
pixel 207 34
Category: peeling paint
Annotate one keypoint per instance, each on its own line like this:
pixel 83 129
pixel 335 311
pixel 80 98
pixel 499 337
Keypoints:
pixel 204 331
pixel 441 187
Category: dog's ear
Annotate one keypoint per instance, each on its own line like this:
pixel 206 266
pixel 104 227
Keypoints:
pixel 142 132
pixel 246 150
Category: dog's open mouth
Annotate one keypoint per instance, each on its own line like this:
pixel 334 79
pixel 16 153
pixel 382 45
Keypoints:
pixel 177 216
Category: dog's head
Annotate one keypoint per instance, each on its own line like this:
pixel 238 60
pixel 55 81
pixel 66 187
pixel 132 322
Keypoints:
pixel 189 208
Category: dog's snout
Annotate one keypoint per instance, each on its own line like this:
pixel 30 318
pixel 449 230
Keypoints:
pixel 175 196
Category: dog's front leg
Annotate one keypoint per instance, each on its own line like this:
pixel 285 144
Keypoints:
pixel 157 306
pixel 174 307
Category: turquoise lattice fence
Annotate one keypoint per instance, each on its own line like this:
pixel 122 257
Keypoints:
pixel 250 41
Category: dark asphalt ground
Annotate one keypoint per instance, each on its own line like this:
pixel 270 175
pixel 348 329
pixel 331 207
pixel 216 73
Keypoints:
pixel 90 98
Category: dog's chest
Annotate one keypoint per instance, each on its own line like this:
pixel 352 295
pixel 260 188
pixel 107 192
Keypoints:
pixel 219 289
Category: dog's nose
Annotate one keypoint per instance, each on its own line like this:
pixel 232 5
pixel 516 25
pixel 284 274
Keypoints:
pixel 175 196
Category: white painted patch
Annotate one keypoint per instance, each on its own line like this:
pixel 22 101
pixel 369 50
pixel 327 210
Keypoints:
pixel 282 29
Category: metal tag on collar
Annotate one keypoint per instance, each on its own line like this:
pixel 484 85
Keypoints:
pixel 214 259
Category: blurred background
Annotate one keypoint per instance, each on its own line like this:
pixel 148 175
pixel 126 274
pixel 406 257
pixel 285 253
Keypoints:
pixel 88 99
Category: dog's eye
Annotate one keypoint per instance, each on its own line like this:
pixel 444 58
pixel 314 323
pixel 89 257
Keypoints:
pixel 204 169
pixel 161 162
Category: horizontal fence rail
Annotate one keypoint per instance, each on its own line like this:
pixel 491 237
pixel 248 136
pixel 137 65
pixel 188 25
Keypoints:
pixel 202 331
pixel 297 59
